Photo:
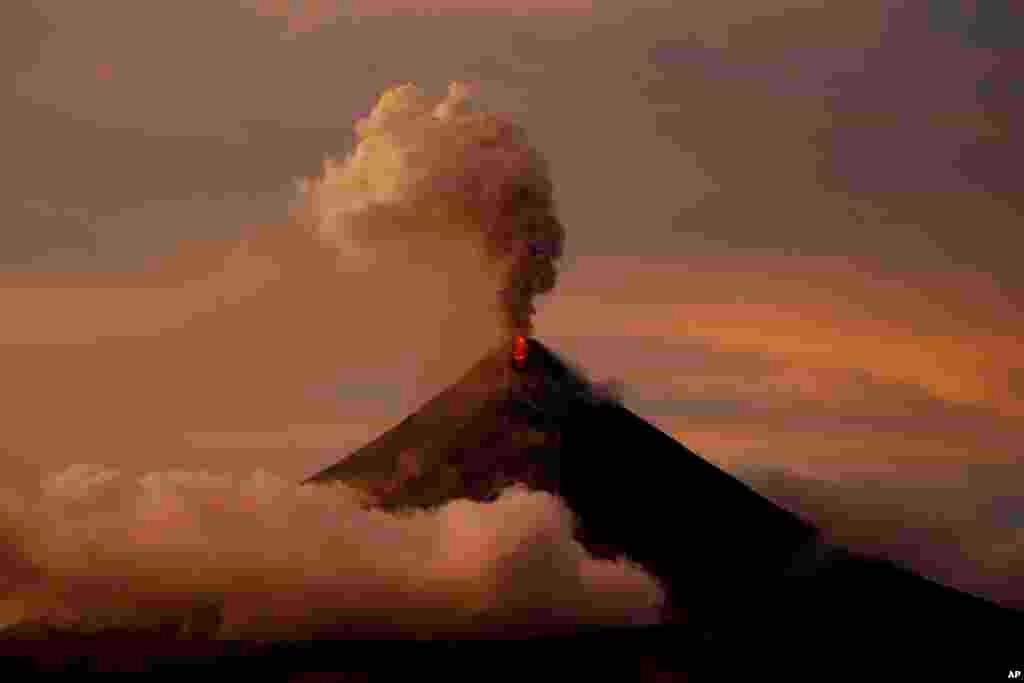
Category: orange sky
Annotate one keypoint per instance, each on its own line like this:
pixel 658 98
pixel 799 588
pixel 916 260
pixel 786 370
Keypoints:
pixel 825 362
pixel 792 231
pixel 951 333
pixel 236 354
pixel 784 250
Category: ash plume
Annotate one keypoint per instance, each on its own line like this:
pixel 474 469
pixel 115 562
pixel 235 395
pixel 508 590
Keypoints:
pixel 433 171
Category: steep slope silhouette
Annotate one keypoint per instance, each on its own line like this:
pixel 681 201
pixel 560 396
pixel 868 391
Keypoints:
pixel 753 590
pixel 732 561
pixel 634 489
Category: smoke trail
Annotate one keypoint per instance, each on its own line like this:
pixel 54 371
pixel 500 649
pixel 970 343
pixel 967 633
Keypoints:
pixel 100 549
pixel 431 171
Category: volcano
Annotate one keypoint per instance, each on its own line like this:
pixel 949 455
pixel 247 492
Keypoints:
pixel 536 420
pixel 737 568
pixel 752 589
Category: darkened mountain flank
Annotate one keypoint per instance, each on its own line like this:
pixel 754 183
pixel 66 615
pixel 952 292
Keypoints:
pixel 636 491
pixel 736 566
pixel 753 590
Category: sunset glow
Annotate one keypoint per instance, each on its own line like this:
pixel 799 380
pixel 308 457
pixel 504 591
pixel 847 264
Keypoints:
pixel 253 236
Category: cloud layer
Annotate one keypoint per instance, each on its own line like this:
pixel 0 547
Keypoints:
pixel 966 532
pixel 100 547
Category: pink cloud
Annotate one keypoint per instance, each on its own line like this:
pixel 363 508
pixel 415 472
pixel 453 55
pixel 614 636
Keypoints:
pixel 302 17
pixel 103 72
pixel 500 7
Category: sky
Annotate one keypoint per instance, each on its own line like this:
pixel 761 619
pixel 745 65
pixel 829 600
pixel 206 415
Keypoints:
pixel 792 231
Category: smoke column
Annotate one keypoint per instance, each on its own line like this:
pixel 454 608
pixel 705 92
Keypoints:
pixel 428 170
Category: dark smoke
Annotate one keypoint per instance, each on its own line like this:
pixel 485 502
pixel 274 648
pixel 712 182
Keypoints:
pixel 431 171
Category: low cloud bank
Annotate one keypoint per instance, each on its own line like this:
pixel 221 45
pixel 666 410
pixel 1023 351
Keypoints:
pixel 99 548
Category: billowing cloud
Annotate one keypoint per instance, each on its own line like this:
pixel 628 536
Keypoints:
pixel 433 173
pixel 102 547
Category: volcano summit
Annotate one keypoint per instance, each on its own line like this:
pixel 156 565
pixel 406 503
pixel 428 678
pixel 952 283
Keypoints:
pixel 738 569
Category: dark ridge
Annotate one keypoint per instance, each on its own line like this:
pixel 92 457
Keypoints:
pixel 797 645
pixel 635 490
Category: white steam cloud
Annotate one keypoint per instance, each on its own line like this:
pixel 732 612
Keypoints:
pixel 101 547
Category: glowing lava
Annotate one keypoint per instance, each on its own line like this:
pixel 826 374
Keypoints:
pixel 519 350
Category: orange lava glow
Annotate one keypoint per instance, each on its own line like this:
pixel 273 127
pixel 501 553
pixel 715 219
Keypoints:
pixel 519 350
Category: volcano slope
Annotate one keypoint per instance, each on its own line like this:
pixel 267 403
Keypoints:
pixel 636 491
pixel 736 567
pixel 752 589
